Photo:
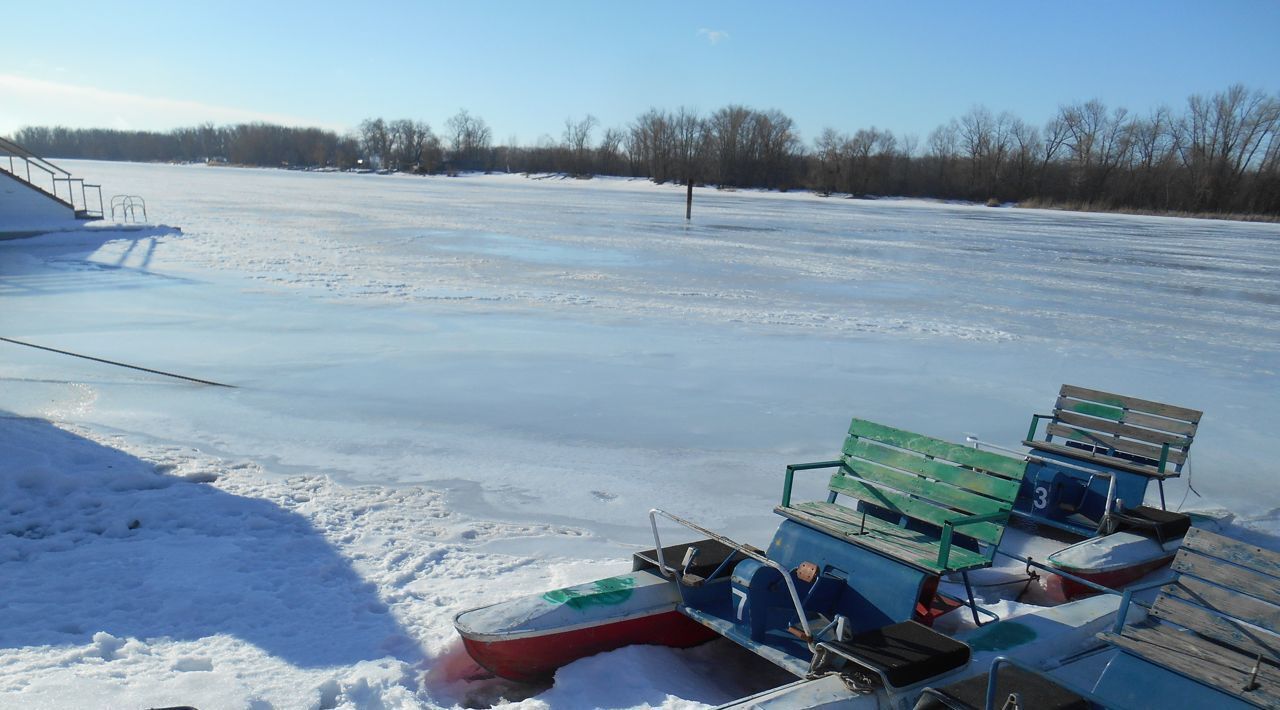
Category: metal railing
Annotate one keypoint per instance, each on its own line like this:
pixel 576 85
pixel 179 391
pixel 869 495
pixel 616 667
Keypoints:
pixel 744 549
pixel 20 164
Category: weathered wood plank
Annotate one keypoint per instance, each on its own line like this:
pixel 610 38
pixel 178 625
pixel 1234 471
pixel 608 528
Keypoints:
pixel 942 494
pixel 1133 403
pixel 1005 466
pixel 1128 446
pixel 1249 639
pixel 1173 426
pixel 911 507
pixel 1241 579
pixel 1121 429
pixel 913 547
pixel 1206 662
pixel 1104 459
pixel 977 481
pixel 1227 601
pixel 1212 544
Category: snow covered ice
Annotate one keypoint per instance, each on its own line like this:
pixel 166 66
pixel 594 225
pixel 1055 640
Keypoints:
pixel 455 390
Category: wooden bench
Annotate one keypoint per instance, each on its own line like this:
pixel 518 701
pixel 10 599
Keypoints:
pixel 1125 433
pixel 1217 622
pixel 913 495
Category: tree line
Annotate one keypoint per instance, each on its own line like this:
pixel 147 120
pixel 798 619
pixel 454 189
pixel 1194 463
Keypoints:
pixel 1218 154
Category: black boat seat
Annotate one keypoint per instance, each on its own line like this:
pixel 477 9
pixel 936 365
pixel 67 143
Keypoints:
pixel 1035 691
pixel 904 654
pixel 1163 525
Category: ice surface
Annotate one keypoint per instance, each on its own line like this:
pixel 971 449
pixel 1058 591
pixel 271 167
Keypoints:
pixel 453 390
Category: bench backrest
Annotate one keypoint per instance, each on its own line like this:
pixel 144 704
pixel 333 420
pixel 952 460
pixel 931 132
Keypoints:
pixel 1124 427
pixel 1226 598
pixel 927 479
pixel 1223 583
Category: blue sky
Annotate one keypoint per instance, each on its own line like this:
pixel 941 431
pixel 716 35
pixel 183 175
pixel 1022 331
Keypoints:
pixel 525 67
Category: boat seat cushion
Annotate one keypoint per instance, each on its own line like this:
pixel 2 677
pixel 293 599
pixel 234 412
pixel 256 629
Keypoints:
pixel 1162 524
pixel 1036 691
pixel 907 653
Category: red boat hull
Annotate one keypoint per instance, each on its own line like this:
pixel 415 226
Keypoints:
pixel 1061 589
pixel 536 657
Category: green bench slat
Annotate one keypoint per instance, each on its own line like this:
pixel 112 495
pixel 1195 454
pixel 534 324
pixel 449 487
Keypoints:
pixel 1123 429
pixel 1126 425
pixel 913 508
pixel 1000 488
pixel 1175 427
pixel 919 478
pixel 920 550
pixel 967 456
pixel 1132 403
pixel 935 492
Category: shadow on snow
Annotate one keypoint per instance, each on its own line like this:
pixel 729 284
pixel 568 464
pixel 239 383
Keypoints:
pixel 95 540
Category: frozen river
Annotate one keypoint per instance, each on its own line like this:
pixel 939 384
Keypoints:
pixel 554 357
pixel 575 350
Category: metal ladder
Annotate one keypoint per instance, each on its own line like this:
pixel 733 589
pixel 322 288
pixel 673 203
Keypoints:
pixel 129 207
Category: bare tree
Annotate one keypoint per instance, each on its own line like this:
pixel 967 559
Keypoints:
pixel 1098 141
pixel 577 138
pixel 943 152
pixel 375 141
pixel 729 133
pixel 828 149
pixel 651 145
pixel 689 141
pixel 415 147
pixel 1221 137
pixel 610 151
pixel 469 138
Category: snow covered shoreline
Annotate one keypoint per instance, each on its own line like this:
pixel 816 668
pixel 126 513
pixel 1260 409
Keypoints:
pixel 455 390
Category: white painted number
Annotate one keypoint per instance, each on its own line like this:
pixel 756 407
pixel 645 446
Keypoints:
pixel 1042 498
pixel 741 594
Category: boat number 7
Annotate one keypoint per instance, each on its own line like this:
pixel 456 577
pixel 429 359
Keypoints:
pixel 741 594
pixel 1042 498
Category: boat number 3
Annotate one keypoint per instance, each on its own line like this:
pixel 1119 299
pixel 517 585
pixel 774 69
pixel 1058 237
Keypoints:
pixel 741 594
pixel 1042 498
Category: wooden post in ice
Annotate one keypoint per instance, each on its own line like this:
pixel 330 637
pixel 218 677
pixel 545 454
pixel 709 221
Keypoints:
pixel 688 200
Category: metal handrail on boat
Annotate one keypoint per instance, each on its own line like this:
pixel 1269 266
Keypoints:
pixel 1111 479
pixel 1124 594
pixel 744 549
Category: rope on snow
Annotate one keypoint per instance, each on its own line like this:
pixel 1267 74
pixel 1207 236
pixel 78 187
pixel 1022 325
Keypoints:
pixel 118 364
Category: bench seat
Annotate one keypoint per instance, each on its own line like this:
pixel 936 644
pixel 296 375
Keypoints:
pixel 919 549
pixel 1217 622
pixel 1214 664
pixel 937 501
